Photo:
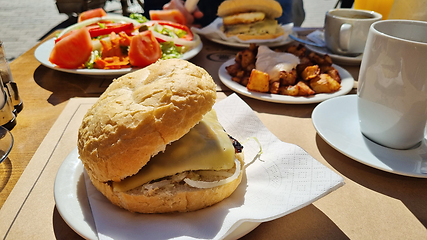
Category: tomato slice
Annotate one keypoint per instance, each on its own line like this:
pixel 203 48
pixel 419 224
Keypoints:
pixel 98 12
pixel 144 49
pixel 63 36
pixel 172 15
pixel 73 50
pixel 109 28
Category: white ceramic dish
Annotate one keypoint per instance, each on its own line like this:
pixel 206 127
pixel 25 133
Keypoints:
pixel 347 82
pixel 43 51
pixel 345 60
pixel 214 33
pixel 246 45
pixel 337 122
pixel 73 205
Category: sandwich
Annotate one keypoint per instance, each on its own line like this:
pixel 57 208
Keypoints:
pixel 152 142
pixel 251 19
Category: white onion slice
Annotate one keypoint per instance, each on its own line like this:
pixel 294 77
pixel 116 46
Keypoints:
pixel 178 41
pixel 203 184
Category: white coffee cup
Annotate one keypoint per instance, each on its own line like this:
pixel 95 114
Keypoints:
pixel 392 90
pixel 346 30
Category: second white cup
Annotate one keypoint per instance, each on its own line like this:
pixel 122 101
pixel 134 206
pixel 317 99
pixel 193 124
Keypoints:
pixel 346 30
pixel 392 90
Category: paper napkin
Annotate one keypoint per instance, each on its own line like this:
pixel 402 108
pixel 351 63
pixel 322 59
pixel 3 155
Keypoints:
pixel 317 37
pixel 282 180
pixel 213 31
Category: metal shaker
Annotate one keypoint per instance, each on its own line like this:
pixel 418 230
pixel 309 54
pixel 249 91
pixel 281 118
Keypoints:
pixel 8 83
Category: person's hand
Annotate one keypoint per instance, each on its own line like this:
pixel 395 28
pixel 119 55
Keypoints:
pixel 179 5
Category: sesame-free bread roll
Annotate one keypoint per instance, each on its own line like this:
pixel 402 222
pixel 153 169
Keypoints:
pixel 122 135
pixel 248 17
pixel 139 114
pixel 170 196
pixel 251 19
pixel 271 8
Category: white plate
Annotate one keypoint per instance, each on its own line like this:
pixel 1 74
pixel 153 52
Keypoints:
pixel 43 51
pixel 73 205
pixel 246 45
pixel 337 122
pixel 347 82
pixel 341 59
pixel 214 33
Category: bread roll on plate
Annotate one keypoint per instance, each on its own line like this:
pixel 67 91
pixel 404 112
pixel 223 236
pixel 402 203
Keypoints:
pixel 251 19
pixel 153 144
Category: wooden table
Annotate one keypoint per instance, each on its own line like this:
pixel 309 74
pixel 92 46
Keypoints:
pixel 372 205
pixel 45 94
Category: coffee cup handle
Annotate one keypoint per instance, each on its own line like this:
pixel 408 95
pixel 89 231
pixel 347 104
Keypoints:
pixel 345 33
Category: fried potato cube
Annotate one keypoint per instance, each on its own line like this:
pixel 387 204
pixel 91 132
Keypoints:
pixel 253 47
pixel 297 50
pixel 259 81
pixel 233 69
pixel 304 62
pixel 310 72
pixel 320 60
pixel 325 68
pixel 324 84
pixel 292 48
pixel 290 90
pixel 299 89
pixel 238 58
pixel 288 78
pixel 274 87
pixel 304 89
pixel 333 73
pixel 328 59
pixel 244 81
pixel 248 59
pixel 236 79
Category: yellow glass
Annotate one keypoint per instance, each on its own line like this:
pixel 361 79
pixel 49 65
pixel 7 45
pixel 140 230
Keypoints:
pixel 379 6
pixel 409 9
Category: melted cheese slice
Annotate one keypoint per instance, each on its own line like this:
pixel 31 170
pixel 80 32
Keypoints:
pixel 267 26
pixel 205 147
pixel 273 62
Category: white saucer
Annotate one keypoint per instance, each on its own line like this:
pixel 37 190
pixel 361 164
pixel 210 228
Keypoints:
pixel 336 121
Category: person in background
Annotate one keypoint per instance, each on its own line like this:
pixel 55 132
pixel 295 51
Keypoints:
pixel 347 3
pixel 293 11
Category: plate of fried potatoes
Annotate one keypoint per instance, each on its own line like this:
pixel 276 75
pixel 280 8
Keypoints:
pixel 313 80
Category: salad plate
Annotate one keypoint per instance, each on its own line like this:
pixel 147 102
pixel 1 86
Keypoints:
pixel 347 82
pixel 43 51
pixel 337 122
